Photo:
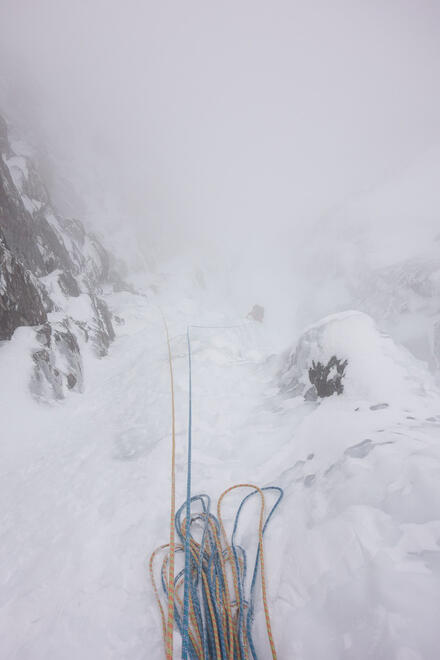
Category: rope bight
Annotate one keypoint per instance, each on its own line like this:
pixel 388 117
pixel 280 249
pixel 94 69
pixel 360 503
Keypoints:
pixel 215 615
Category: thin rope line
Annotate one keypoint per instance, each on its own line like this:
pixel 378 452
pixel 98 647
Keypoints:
pixel 170 616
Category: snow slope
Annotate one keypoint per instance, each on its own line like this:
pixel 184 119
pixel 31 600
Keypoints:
pixel 353 554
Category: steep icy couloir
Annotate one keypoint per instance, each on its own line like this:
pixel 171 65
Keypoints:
pixel 352 554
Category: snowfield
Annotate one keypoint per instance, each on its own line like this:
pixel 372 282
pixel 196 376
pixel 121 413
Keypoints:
pixel 353 552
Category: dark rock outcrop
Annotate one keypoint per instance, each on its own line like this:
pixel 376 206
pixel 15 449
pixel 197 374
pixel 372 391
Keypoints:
pixel 46 259
pixel 36 233
pixel 101 327
pixel 58 364
pixel 68 284
pixel 20 299
pixel 327 379
pixel 4 142
pixel 16 225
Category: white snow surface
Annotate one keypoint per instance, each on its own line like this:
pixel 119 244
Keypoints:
pixel 352 554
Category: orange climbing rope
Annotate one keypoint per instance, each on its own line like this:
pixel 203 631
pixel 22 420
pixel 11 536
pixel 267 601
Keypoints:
pixel 169 624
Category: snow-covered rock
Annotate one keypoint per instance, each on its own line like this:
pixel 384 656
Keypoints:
pixel 46 261
pixel 405 297
pixel 58 364
pixel 378 369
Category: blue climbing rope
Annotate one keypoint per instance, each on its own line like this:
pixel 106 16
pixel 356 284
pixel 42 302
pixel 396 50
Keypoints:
pixel 185 638
pixel 186 586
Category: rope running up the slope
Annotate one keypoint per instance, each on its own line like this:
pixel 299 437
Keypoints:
pixel 168 623
pixel 214 624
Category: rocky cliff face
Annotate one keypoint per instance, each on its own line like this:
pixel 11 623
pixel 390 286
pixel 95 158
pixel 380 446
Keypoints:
pixel 46 261
pixel 21 302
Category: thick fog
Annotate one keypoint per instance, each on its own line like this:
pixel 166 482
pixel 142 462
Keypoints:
pixel 236 125
pixel 263 176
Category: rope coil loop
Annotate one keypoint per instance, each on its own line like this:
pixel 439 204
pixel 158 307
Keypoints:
pixel 219 617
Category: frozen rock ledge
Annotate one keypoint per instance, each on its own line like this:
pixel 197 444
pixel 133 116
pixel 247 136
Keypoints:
pixel 377 368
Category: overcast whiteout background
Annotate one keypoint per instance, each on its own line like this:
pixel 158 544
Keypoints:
pixel 227 154
pixel 226 122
